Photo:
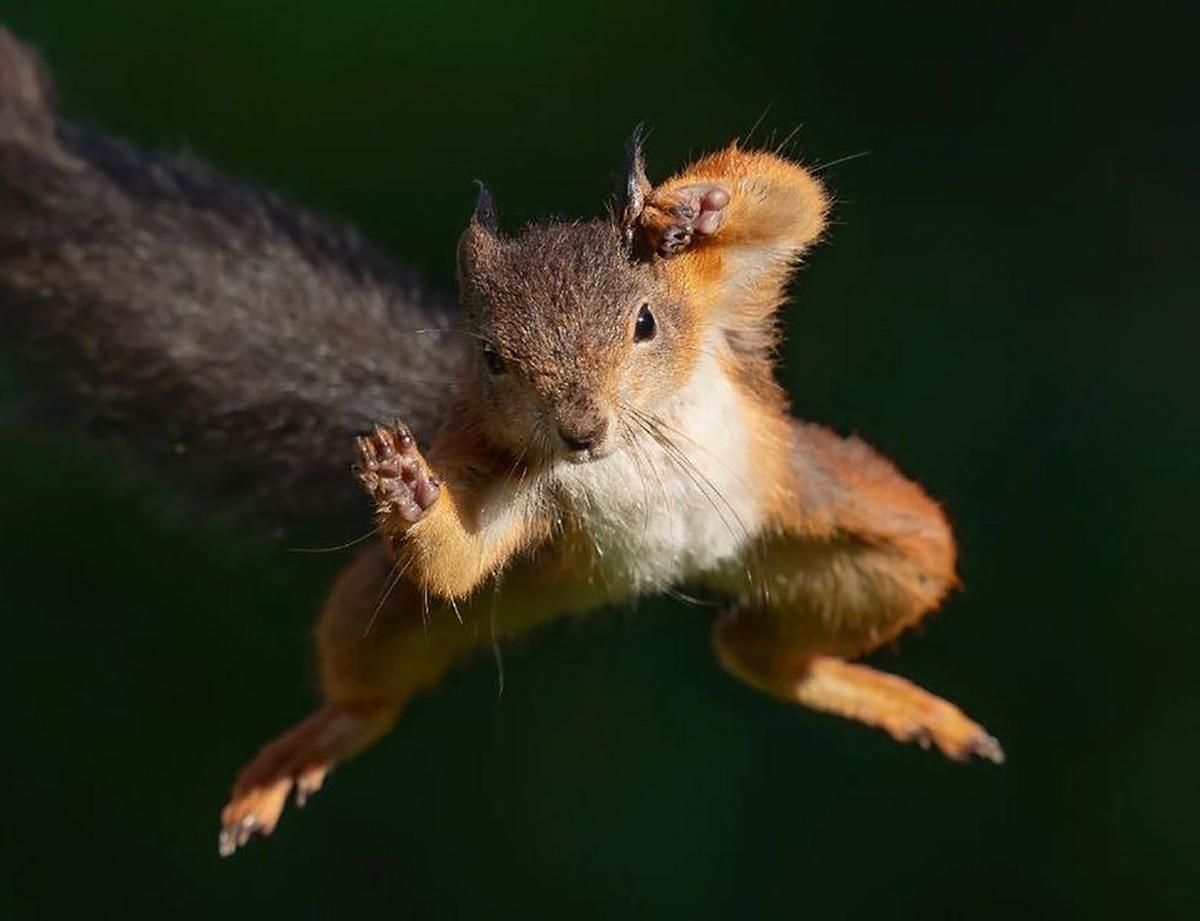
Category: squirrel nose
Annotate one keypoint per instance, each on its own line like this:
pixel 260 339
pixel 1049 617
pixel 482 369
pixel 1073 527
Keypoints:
pixel 578 440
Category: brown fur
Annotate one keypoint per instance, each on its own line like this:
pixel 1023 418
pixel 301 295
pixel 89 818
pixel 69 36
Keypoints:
pixel 847 552
pixel 237 343
pixel 217 311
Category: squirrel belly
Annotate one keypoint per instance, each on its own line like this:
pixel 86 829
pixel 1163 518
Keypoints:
pixel 680 497
pixel 601 419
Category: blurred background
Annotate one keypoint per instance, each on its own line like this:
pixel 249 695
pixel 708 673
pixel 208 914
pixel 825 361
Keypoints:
pixel 1006 306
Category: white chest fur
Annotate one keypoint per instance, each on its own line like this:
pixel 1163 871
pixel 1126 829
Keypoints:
pixel 657 513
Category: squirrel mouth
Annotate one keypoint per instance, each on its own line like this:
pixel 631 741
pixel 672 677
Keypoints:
pixel 587 455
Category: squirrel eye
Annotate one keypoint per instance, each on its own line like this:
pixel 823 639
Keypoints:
pixel 491 358
pixel 644 327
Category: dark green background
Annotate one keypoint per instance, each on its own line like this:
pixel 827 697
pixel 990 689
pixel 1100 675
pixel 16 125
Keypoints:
pixel 1007 306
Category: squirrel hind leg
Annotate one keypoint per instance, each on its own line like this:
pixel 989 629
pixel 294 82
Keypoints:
pixel 751 651
pixel 298 760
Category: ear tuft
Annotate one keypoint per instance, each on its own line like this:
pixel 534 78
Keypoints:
pixel 634 185
pixel 480 242
pixel 485 214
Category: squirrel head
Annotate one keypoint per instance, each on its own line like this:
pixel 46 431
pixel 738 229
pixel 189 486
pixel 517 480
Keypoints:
pixel 578 337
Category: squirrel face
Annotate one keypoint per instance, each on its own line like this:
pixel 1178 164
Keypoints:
pixel 577 338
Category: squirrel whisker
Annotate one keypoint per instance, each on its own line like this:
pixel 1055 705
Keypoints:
pixel 335 548
pixel 306 331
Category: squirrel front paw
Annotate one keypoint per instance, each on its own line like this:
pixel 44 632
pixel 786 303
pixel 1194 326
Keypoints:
pixel 672 219
pixel 395 474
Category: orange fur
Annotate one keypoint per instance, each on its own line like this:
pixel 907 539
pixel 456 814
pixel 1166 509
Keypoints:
pixel 738 275
pixel 844 554
pixel 451 550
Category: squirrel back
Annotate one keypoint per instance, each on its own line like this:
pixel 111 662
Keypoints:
pixel 201 319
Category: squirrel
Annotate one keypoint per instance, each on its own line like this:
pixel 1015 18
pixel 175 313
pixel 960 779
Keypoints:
pixel 608 426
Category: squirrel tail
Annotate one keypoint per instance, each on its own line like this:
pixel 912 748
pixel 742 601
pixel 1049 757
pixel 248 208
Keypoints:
pixel 200 320
pixel 26 95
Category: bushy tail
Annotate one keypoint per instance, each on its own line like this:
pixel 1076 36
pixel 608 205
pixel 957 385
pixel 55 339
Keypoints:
pixel 26 95
pixel 200 319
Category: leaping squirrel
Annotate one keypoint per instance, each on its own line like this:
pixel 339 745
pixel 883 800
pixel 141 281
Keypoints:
pixel 616 429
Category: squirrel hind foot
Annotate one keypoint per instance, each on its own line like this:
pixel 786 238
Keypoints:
pixel 299 760
pixel 257 812
pixel 906 712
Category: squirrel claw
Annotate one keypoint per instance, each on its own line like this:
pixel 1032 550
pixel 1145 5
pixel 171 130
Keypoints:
pixel 297 762
pixel 394 474
pixel 254 813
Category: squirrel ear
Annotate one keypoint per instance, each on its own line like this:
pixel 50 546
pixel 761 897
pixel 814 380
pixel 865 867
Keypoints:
pixel 480 240
pixel 634 185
